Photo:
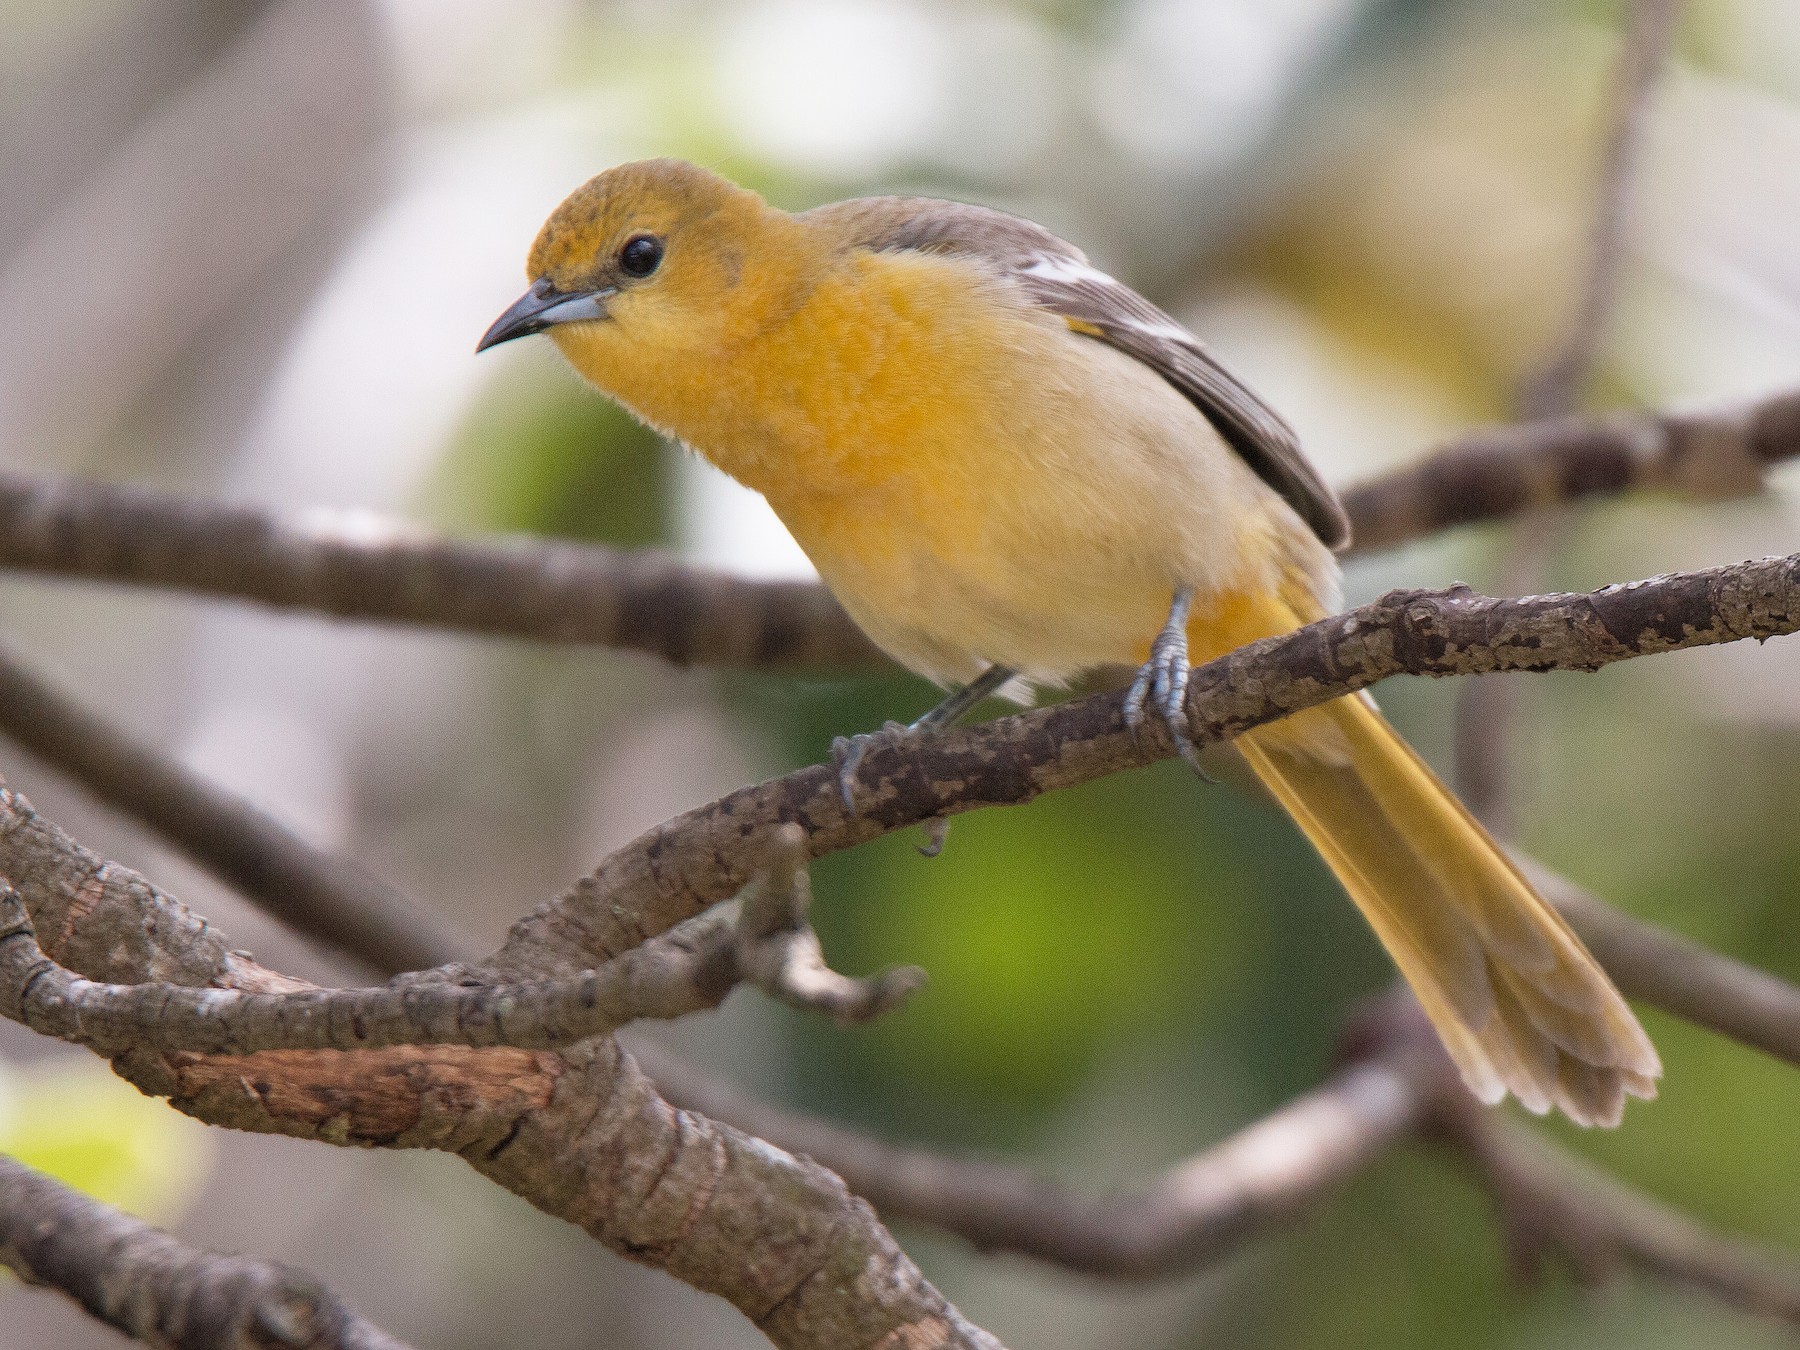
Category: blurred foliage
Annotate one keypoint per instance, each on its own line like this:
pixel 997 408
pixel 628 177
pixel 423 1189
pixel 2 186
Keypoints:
pixel 79 1123
pixel 542 455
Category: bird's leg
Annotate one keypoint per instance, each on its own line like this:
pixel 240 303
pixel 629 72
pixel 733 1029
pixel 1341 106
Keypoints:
pixel 959 703
pixel 1163 681
pixel 848 751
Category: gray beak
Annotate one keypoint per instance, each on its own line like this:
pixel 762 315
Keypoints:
pixel 543 306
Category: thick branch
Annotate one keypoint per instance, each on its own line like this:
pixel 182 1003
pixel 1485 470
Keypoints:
pixel 580 1134
pixel 159 1290
pixel 695 859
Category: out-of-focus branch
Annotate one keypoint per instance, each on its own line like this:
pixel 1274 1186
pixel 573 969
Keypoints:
pixel 1498 472
pixel 1643 54
pixel 353 567
pixel 1487 712
pixel 669 1188
pixel 1266 1175
pixel 211 192
pixel 316 893
pixel 694 860
pixel 384 571
pixel 73 115
pixel 1677 974
pixel 1551 1200
pixel 153 1287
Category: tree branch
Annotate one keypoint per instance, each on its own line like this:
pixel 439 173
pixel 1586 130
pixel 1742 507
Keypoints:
pixel 581 1134
pixel 1643 54
pixel 153 1287
pixel 1205 1206
pixel 370 569
pixel 1264 1176
pixel 361 567
pixel 1551 1199
pixel 692 861
pixel 763 939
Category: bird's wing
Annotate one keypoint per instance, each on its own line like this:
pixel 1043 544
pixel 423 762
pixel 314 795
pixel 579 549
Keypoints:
pixel 1056 275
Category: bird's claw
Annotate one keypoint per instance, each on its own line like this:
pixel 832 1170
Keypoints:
pixel 1162 682
pixel 847 753
pixel 936 831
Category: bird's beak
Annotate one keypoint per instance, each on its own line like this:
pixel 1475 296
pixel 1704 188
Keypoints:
pixel 543 306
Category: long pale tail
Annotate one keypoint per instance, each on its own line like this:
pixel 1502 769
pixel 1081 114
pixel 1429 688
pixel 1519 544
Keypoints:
pixel 1517 999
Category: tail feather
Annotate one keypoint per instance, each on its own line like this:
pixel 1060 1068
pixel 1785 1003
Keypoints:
pixel 1519 1002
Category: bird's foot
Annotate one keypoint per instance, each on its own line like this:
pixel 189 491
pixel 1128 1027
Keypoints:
pixel 1162 684
pixel 847 753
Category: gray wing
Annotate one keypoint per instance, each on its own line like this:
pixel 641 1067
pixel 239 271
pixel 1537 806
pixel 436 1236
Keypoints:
pixel 1057 275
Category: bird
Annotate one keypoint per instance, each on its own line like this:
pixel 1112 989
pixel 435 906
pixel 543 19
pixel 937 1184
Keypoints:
pixel 1010 467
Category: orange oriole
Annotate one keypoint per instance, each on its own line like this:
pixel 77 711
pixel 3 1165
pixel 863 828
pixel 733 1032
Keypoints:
pixel 1004 462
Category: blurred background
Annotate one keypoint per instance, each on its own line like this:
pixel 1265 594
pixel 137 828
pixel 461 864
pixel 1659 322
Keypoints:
pixel 245 253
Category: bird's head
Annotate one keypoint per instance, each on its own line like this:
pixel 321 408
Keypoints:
pixel 659 256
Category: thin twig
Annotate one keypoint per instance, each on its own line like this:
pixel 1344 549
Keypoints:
pixel 153 1287
pixel 1487 712
pixel 318 894
pixel 1550 1199
pixel 1643 55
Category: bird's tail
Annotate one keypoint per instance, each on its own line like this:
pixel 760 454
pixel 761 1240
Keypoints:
pixel 1520 1004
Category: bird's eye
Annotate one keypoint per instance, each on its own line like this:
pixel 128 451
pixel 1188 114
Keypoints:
pixel 640 255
